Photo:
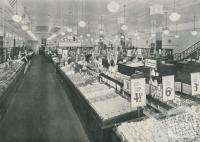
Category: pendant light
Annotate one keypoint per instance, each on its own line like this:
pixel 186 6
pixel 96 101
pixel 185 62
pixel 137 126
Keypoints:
pixel 17 18
pixel 166 29
pixel 194 32
pixel 24 25
pixel 176 35
pixel 124 26
pixel 101 31
pixel 82 23
pixel 174 16
pixel 113 6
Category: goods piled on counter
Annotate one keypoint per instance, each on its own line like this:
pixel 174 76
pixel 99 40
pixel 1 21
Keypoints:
pixel 147 130
pixel 7 73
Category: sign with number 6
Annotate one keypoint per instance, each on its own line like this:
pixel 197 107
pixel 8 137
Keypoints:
pixel 168 88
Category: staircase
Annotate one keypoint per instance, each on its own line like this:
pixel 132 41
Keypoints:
pixel 195 48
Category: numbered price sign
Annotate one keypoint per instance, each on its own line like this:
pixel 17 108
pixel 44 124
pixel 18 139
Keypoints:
pixel 195 83
pixel 138 93
pixel 168 88
pixel 60 51
pixel 65 53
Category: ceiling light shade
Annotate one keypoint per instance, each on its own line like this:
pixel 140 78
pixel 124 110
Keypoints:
pixel 101 32
pixel 124 27
pixel 176 36
pixel 138 37
pixel 194 32
pixel 63 33
pixel 113 6
pixel 122 36
pixel 82 24
pixel 166 31
pixel 174 17
pixel 17 18
pixel 81 36
pixel 69 30
pixel 24 27
pixel 88 35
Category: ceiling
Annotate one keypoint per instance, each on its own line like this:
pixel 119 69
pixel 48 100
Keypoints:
pixel 48 16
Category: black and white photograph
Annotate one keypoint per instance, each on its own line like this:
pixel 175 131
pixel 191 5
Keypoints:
pixel 99 70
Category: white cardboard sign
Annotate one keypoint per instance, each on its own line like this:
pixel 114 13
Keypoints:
pixel 195 83
pixel 168 88
pixel 138 93
pixel 60 51
pixel 65 53
pixel 151 63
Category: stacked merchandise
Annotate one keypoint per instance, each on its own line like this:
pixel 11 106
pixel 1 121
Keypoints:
pixel 101 98
pixel 147 130
pixel 8 72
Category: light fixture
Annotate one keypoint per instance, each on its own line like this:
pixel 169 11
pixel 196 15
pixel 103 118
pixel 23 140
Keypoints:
pixel 122 36
pixel 62 33
pixel 166 29
pixel 24 27
pixel 88 35
pixel 81 36
pixel 174 16
pixel 113 6
pixel 69 30
pixel 17 18
pixel 194 31
pixel 124 26
pixel 176 34
pixel 153 35
pixel 82 24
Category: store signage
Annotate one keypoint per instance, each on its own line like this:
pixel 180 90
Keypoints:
pixel 138 93
pixel 168 88
pixel 60 51
pixel 156 92
pixel 65 53
pixel 195 83
pixel 69 44
pixel 150 63
pixel 156 9
pixel 129 52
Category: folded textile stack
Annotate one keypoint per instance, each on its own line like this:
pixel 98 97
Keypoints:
pixel 148 130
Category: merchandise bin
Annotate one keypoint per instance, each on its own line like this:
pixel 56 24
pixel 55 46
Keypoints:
pixel 98 130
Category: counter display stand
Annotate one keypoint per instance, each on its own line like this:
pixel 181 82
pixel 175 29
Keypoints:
pixel 98 129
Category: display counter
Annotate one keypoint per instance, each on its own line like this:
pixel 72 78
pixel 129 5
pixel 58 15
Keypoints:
pixel 9 75
pixel 99 107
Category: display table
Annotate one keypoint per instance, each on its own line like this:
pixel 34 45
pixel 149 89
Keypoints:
pixel 97 126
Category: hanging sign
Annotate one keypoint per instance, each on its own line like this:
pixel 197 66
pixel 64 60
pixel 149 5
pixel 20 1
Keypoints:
pixel 138 93
pixel 60 51
pixel 65 54
pixel 195 83
pixel 150 63
pixel 168 88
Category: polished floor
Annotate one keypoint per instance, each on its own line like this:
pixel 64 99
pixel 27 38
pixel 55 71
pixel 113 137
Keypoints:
pixel 40 110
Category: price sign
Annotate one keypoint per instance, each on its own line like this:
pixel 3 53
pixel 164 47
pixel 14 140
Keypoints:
pixel 65 53
pixel 60 51
pixel 138 94
pixel 150 63
pixel 168 88
pixel 195 83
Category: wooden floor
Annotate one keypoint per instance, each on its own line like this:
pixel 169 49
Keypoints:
pixel 40 110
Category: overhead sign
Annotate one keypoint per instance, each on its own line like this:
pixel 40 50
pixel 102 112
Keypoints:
pixel 168 88
pixel 150 63
pixel 195 83
pixel 69 44
pixel 138 93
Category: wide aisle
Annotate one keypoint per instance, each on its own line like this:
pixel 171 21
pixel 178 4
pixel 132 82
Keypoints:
pixel 40 110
